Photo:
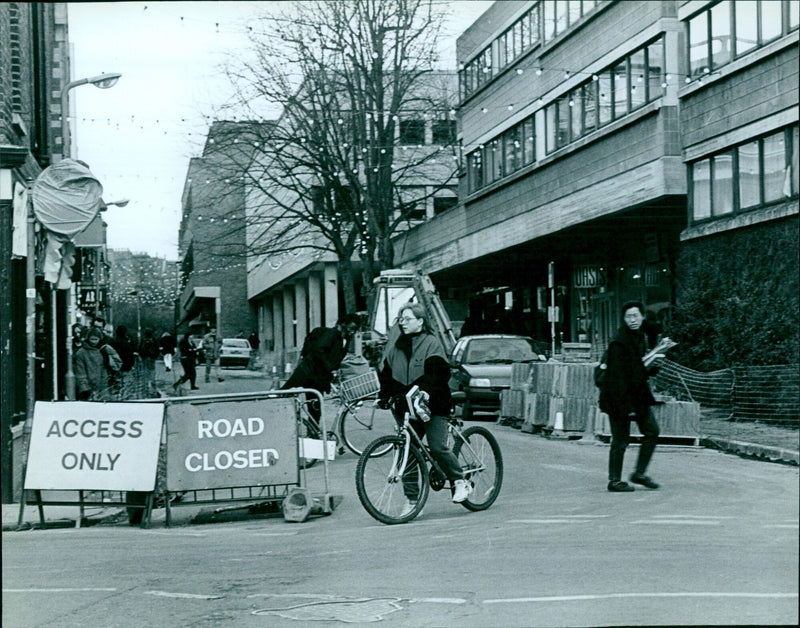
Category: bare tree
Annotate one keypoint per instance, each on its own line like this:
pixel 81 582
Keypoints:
pixel 330 173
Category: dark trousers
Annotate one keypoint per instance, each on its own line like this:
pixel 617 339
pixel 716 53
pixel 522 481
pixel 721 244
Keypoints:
pixel 435 431
pixel 189 372
pixel 621 437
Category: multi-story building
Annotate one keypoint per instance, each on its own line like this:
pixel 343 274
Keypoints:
pixel 605 138
pixel 34 67
pixel 212 248
pixel 298 290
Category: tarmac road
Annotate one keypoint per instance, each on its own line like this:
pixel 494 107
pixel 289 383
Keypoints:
pixel 718 544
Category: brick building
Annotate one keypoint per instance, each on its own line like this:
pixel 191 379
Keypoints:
pixel 34 66
pixel 589 130
pixel 212 248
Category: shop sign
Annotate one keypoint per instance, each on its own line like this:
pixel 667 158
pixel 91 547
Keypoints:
pixel 81 445
pixel 588 276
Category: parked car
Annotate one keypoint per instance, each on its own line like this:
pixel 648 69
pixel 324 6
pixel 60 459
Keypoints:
pixel 234 352
pixel 480 366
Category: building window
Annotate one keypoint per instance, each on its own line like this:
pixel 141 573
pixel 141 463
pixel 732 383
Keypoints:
pixel 749 175
pixel 621 91
pixel 513 149
pixel 701 189
pixel 604 93
pixel 444 132
pixel 589 106
pixel 443 203
pixel 761 171
pixel 527 139
pixel 655 70
pixel 638 85
pixel 475 170
pixel 412 132
pixel 728 30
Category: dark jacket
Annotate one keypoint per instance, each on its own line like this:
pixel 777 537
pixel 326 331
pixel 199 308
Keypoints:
pixel 124 347
pixel 93 367
pixel 322 353
pixel 625 388
pixel 417 359
pixel 187 351
pixel 166 344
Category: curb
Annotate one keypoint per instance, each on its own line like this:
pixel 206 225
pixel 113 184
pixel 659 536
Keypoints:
pixel 752 450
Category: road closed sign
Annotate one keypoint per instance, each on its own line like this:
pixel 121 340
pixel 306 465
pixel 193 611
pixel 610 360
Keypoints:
pixel 79 445
pixel 227 444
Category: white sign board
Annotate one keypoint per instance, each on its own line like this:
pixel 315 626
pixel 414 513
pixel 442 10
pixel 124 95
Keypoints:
pixel 81 445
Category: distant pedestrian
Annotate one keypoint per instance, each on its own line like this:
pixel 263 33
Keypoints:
pixel 188 357
pixel 124 346
pixel 211 346
pixel 96 365
pixel 167 347
pixel 148 353
pixel 255 343
pixel 625 396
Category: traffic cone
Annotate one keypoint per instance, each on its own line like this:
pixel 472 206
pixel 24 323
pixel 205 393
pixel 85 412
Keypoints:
pixel 558 427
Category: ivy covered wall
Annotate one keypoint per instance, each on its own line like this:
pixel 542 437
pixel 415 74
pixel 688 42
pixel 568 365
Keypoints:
pixel 737 300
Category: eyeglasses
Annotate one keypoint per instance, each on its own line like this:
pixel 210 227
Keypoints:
pixel 406 319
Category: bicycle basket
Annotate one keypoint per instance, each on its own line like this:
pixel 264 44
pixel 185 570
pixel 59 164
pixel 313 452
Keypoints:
pixel 361 386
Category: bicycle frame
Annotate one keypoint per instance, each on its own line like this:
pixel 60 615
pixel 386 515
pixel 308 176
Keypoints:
pixel 406 430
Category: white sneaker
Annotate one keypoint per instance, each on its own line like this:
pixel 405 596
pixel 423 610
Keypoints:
pixel 463 490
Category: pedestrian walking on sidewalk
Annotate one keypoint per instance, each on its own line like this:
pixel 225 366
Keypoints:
pixel 96 366
pixel 167 347
pixel 211 346
pixel 188 357
pixel 625 396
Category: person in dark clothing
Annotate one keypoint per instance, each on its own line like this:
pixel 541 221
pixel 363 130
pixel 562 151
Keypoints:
pixel 625 396
pixel 188 357
pixel 418 358
pixel 254 341
pixel 148 352
pixel 123 345
pixel 96 365
pixel 322 353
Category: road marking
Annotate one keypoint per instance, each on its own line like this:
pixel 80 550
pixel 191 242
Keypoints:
pixel 157 532
pixel 609 596
pixel 188 596
pixel 438 600
pixel 548 521
pixel 792 526
pixel 83 590
pixel 678 522
pixel 275 533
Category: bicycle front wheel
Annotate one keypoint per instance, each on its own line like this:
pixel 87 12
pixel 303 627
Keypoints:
pixel 363 422
pixel 387 494
pixel 482 463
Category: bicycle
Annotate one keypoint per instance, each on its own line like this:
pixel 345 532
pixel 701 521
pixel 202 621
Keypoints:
pixel 393 467
pixel 357 421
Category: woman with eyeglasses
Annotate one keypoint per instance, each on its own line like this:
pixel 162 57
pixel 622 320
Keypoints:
pixel 417 357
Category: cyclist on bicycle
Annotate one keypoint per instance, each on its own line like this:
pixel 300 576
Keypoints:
pixel 417 357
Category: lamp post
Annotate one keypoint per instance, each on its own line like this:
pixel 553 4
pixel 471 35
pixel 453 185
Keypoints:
pixel 102 81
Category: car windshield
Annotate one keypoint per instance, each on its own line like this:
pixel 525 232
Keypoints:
pixel 236 343
pixel 499 351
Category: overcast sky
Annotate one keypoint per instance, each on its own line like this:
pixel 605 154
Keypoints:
pixel 138 136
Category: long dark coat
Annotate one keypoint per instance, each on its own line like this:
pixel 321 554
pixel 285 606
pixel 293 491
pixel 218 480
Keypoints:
pixel 625 388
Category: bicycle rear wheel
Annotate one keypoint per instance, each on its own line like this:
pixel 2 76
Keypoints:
pixel 362 422
pixel 482 463
pixel 385 495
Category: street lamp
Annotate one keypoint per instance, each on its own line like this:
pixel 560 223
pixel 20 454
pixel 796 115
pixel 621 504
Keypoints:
pixel 102 81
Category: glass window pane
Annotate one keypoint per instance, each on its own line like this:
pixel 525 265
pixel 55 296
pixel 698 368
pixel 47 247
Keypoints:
pixel 574 11
pixel 794 15
pixel 518 47
pixel 528 140
pixel 749 176
pixel 561 16
pixel 534 15
pixel 590 106
pixel 604 97
pixel 526 32
pixel 770 19
pixel 701 197
pixel 576 104
pixel 550 123
pixel 746 25
pixel 475 173
pixel 488 164
pixel 497 160
pixel 540 135
pixel 655 69
pixel 721 34
pixel 698 44
pixel 502 57
pixel 774 166
pixel 638 73
pixel 549 20
pixel 723 184
pixel 562 139
pixel 512 149
pixel 621 90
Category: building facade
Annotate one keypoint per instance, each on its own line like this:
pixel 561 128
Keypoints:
pixel 34 66
pixel 589 130
pixel 212 248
